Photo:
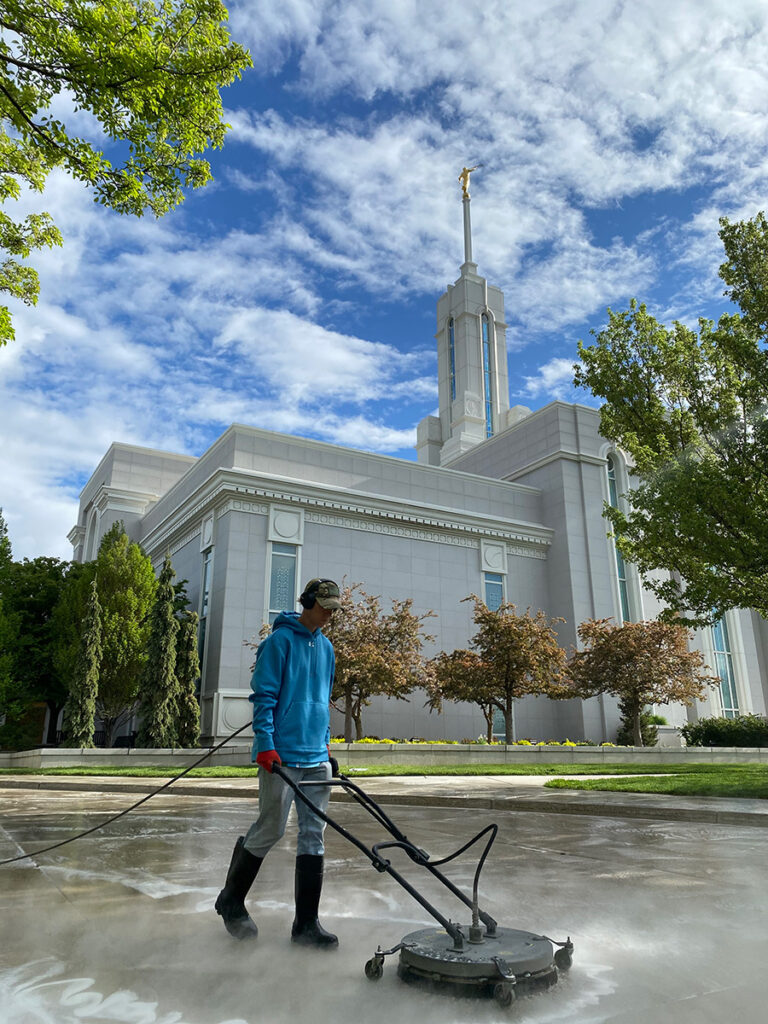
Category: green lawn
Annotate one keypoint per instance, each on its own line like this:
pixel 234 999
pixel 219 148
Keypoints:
pixel 370 772
pixel 740 780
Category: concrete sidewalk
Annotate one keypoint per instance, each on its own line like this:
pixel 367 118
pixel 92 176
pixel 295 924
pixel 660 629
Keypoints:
pixel 488 792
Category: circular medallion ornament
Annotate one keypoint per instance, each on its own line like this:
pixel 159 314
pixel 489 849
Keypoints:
pixel 286 524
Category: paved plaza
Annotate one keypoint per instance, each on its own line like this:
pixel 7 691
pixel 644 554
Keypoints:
pixel 667 917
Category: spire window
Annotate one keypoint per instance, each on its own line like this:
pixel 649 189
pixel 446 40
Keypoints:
pixel 487 376
pixel 621 568
pixel 452 347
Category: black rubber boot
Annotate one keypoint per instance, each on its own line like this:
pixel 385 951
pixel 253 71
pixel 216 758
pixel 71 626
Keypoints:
pixel 230 903
pixel 307 930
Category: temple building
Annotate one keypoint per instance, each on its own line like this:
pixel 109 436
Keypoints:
pixel 502 502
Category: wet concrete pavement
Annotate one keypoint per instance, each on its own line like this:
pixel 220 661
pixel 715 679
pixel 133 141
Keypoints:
pixel 483 792
pixel 668 918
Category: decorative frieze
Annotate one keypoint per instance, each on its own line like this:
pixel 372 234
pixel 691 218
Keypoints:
pixel 527 551
pixel 287 509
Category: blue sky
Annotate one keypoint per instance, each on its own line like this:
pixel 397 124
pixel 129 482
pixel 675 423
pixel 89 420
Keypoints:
pixel 297 292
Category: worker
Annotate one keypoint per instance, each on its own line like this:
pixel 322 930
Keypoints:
pixel 291 686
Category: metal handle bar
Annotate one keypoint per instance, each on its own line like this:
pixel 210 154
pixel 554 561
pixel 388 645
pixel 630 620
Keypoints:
pixel 378 862
pixel 417 855
pixel 420 856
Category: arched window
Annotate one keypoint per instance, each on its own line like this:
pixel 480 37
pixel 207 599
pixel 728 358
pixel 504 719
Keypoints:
pixel 452 348
pixel 621 569
pixel 487 377
pixel 91 546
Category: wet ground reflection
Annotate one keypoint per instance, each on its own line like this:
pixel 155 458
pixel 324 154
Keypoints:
pixel 667 920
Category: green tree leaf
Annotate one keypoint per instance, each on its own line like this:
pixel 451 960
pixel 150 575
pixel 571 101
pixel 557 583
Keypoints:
pixel 149 74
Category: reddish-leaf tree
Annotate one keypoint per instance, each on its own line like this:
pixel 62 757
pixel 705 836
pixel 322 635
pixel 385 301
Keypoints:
pixel 641 663
pixel 377 653
pixel 512 656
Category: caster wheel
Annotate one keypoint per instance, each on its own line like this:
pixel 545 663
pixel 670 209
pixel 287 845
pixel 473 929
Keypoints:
pixel 504 994
pixel 563 959
pixel 374 969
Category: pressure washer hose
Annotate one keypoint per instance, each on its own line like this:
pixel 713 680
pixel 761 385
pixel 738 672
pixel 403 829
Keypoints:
pixel 54 846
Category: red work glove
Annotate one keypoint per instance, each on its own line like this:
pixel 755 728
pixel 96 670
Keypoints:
pixel 266 758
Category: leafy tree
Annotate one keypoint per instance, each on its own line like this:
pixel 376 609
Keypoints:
pixel 157 690
pixel 691 409
pixel 6 555
pixel 187 712
pixel 80 709
pixel 512 656
pixel 126 585
pixel 7 626
pixel 31 591
pixel 13 700
pixel 641 663
pixel 149 74
pixel 377 653
pixel 69 617
pixel 461 676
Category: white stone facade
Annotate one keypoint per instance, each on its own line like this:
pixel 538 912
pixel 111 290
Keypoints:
pixel 523 505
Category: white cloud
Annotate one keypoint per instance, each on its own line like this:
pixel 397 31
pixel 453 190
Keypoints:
pixel 554 380
pixel 162 332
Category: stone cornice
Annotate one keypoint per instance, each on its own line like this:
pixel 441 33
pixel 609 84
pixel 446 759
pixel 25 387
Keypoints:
pixel 76 535
pixel 118 499
pixel 228 490
pixel 556 456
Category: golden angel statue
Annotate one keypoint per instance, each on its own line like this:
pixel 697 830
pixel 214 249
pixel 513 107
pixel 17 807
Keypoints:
pixel 464 179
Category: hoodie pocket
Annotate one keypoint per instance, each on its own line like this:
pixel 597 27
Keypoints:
pixel 304 725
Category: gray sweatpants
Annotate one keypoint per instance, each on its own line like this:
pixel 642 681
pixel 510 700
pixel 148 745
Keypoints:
pixel 275 799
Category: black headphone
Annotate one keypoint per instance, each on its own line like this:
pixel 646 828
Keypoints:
pixel 309 598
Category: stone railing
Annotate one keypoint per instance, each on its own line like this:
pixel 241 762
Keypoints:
pixel 360 755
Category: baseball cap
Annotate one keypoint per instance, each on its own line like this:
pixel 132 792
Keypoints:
pixel 325 592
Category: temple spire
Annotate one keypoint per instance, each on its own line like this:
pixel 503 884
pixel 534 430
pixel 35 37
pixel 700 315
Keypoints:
pixel 467 231
pixel 468 266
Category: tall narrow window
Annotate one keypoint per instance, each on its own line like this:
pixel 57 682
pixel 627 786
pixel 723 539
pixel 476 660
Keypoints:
pixel 494 590
pixel 487 377
pixel 205 597
pixel 282 579
pixel 621 568
pixel 721 645
pixel 452 343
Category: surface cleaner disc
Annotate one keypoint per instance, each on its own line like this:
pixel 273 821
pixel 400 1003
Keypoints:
pixel 430 953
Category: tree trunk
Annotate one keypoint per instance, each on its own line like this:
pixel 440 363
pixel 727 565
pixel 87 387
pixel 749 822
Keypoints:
pixel 637 729
pixel 489 726
pixel 357 716
pixel 509 721
pixel 348 714
pixel 53 720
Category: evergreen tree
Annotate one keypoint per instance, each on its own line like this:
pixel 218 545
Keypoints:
pixel 187 676
pixel 649 733
pixel 80 710
pixel 158 687
pixel 126 584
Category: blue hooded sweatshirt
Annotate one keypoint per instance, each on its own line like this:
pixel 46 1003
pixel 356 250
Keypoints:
pixel 291 686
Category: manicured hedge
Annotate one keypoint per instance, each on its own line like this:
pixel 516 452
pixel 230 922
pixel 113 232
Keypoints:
pixel 743 731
